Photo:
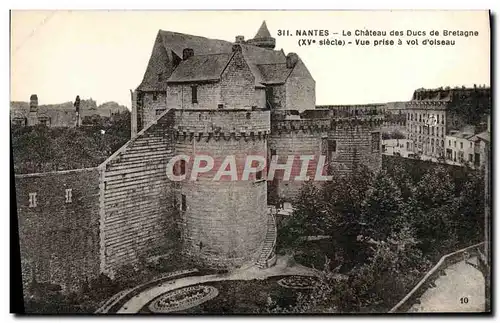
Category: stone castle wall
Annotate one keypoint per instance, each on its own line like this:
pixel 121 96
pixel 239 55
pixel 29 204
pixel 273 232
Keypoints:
pixel 137 206
pixel 59 227
pixel 356 138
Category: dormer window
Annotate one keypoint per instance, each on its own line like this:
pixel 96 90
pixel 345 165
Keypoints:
pixel 238 61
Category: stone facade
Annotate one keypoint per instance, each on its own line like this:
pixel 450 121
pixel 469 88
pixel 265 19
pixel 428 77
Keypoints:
pixel 58 227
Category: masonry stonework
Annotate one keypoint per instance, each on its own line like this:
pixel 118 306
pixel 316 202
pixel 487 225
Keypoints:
pixel 223 222
pixel 138 214
pixel 58 217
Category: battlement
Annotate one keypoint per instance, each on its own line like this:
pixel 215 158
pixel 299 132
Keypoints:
pixel 222 123
pixel 348 111
pixel 310 125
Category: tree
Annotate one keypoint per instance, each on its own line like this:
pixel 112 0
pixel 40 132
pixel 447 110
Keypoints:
pixel 343 197
pixel 432 209
pixel 305 218
pixel 382 210
pixel 470 209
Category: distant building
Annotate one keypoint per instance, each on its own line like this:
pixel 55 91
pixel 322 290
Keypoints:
pixel 432 114
pixel 396 147
pixel 395 118
pixel 63 115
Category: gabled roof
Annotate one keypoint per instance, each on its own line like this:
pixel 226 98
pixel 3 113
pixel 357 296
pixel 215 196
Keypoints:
pixel 274 73
pixel 175 43
pixel 200 68
pixel 201 45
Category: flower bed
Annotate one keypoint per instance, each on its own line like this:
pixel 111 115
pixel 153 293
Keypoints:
pixel 183 298
pixel 298 282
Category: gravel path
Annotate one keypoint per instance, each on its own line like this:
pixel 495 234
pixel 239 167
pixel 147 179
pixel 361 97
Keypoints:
pixel 460 290
pixel 282 268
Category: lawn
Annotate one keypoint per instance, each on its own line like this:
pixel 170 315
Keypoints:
pixel 244 297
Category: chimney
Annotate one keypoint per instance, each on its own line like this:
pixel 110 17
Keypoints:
pixel 77 109
pixel 291 60
pixel 236 48
pixel 239 39
pixel 186 53
pixel 33 102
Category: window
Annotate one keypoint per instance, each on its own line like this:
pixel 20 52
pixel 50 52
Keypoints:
pixel 183 167
pixel 471 145
pixel 183 202
pixel 438 118
pixel 248 115
pixel 442 143
pixel 220 106
pixel 449 142
pixel 160 77
pixel 455 143
pixel 470 158
pixel 155 96
pixel 69 194
pixel 32 199
pixel 180 168
pixel 332 148
pixel 432 131
pixel 419 117
pixel 273 152
pixel 442 120
pixel 194 94
pixel 419 129
pixel 461 145
pixel 258 175
pixel 375 141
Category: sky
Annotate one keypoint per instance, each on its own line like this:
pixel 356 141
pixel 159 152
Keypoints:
pixel 103 54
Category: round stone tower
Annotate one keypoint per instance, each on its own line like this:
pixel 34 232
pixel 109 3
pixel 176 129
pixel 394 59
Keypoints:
pixel 223 220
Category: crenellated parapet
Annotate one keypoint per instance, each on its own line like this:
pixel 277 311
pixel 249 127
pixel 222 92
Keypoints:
pixel 304 125
pixel 221 124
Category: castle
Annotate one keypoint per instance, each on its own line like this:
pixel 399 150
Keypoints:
pixel 198 96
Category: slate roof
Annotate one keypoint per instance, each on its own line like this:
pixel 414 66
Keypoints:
pixel 175 43
pixel 200 68
pixel 263 32
pixel 485 135
pixel 274 73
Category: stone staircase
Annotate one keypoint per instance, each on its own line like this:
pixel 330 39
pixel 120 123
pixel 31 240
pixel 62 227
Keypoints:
pixel 267 256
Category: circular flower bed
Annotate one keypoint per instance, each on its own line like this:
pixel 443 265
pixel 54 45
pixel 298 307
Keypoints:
pixel 299 282
pixel 183 298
